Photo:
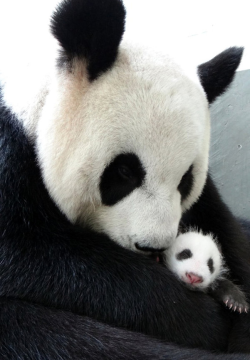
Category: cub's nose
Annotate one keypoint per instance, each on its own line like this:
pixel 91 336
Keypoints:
pixel 192 278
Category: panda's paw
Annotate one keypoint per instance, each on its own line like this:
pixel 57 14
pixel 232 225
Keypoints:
pixel 236 303
pixel 231 295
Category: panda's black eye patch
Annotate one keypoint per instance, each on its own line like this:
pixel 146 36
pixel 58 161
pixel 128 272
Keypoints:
pixel 120 178
pixel 186 183
pixel 210 264
pixel 125 173
pixel 184 254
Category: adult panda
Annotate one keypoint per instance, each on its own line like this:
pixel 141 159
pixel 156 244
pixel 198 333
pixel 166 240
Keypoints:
pixel 115 139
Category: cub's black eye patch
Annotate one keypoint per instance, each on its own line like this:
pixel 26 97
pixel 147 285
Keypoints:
pixel 184 254
pixel 186 183
pixel 210 264
pixel 120 178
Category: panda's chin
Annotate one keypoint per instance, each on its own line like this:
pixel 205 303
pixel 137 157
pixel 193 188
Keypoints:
pixel 154 249
pixel 136 230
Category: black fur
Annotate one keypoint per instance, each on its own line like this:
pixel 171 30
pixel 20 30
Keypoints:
pixel 231 295
pixel 240 335
pixel 90 30
pixel 53 274
pixel 210 264
pixel 217 74
pixel 186 183
pixel 46 260
pixel 120 178
pixel 184 254
pixel 39 333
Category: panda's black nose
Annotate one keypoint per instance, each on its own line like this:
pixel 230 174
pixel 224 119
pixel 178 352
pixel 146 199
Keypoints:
pixel 149 248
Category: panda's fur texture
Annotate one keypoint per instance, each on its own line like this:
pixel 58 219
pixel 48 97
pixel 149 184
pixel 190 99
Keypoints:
pixel 151 213
pixel 197 261
pixel 112 138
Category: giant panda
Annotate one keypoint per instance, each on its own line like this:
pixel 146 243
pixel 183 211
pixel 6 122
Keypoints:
pixel 104 152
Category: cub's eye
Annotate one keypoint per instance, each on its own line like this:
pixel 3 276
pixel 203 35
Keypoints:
pixel 125 172
pixel 184 254
pixel 210 264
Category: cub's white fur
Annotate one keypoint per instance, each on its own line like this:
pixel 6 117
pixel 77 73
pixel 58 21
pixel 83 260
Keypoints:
pixel 203 248
pixel 146 104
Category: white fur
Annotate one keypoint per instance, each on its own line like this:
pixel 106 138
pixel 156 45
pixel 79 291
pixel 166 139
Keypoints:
pixel 145 104
pixel 203 247
pixel 158 114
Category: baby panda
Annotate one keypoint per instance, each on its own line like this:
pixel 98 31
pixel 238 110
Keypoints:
pixel 197 261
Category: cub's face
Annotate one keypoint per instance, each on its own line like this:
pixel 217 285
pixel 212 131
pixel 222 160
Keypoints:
pixel 127 153
pixel 195 259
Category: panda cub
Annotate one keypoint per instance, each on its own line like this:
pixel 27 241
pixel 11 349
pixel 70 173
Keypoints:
pixel 197 261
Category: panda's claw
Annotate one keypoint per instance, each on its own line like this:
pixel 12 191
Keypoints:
pixel 236 302
pixel 236 306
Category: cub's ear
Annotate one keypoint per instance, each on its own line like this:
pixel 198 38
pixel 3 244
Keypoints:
pixel 217 74
pixel 89 30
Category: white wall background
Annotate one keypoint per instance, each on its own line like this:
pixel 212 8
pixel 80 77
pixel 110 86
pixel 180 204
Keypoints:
pixel 193 30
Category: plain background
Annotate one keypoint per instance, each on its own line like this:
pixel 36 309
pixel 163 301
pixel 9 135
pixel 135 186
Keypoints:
pixel 193 30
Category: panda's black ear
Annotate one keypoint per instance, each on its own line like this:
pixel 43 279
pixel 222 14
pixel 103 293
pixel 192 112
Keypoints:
pixel 217 74
pixel 90 30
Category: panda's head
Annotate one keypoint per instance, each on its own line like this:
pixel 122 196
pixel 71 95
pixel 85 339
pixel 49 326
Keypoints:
pixel 123 135
pixel 196 260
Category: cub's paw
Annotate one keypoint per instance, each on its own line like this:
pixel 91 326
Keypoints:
pixel 231 295
pixel 236 302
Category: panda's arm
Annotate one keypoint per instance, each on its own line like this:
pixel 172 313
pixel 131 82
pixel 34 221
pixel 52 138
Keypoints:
pixel 225 291
pixel 30 331
pixel 211 215
pixel 46 260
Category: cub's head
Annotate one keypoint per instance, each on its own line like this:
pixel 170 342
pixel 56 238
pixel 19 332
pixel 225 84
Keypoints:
pixel 195 259
pixel 123 136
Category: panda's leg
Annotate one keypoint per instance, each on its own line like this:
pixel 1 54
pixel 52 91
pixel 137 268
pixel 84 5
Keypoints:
pixel 239 339
pixel 211 215
pixel 30 332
